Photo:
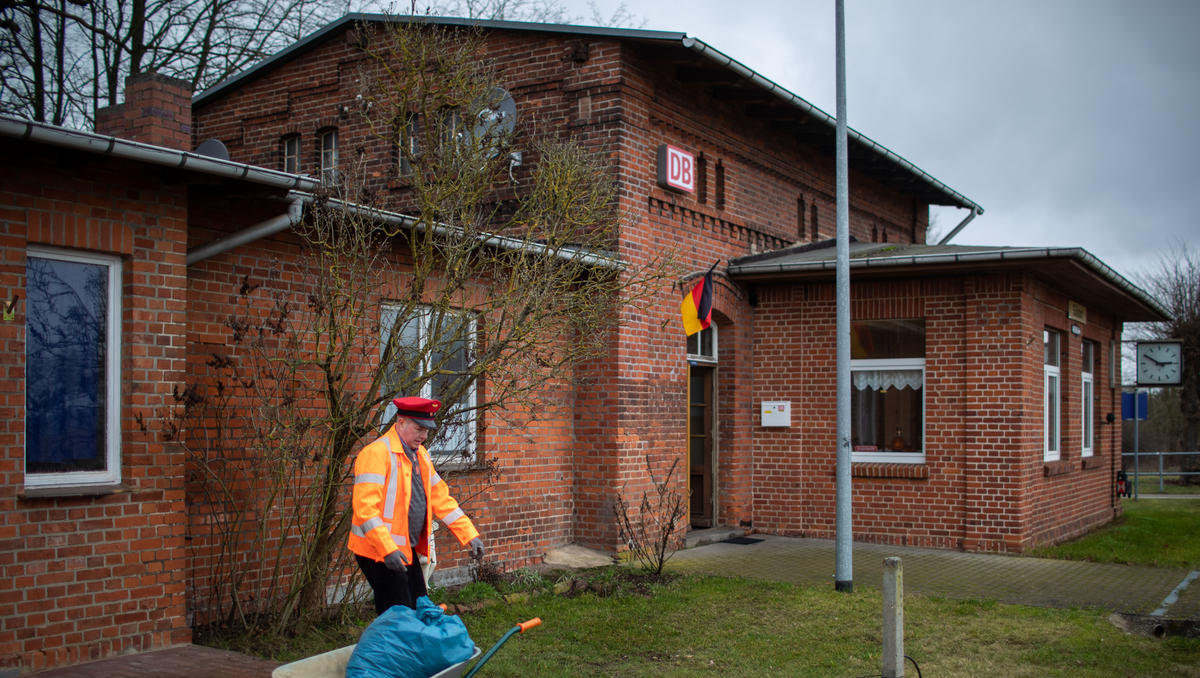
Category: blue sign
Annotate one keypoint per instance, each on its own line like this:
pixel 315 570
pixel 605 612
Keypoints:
pixel 1143 405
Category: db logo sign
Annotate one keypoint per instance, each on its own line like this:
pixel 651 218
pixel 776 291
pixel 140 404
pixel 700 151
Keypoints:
pixel 676 169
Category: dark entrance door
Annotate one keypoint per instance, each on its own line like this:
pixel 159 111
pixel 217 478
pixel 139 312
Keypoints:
pixel 700 444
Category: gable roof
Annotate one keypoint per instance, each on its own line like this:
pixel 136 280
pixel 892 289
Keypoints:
pixel 694 61
pixel 1071 269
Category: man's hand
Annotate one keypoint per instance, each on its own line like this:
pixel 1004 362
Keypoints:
pixel 394 561
pixel 477 548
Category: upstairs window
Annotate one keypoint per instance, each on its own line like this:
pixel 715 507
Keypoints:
pixel 72 368
pixel 887 395
pixel 1051 394
pixel 406 144
pixel 328 148
pixel 289 149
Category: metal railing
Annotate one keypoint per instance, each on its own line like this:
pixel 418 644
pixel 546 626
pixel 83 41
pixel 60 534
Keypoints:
pixel 1139 460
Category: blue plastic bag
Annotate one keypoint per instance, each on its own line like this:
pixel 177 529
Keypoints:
pixel 407 643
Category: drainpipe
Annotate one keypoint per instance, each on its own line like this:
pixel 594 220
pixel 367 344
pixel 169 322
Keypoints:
pixel 962 224
pixel 258 231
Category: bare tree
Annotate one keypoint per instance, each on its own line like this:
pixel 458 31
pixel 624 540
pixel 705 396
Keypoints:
pixel 63 59
pixel 487 299
pixel 1176 285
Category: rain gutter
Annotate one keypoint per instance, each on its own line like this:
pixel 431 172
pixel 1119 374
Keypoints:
pixel 87 142
pixel 298 200
pixel 729 62
pixel 1006 255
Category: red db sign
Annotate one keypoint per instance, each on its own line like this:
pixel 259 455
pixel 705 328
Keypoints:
pixel 676 169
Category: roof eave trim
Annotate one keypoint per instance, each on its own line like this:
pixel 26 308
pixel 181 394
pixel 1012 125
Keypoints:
pixel 125 149
pixel 999 256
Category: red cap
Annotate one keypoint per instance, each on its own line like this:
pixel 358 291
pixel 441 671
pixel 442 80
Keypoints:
pixel 419 410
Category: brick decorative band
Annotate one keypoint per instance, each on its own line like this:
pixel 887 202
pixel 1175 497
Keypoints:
pixel 883 470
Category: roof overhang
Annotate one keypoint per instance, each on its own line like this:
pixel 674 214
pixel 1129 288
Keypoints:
pixel 1070 269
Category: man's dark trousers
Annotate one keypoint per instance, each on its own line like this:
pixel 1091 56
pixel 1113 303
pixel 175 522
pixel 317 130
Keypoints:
pixel 393 587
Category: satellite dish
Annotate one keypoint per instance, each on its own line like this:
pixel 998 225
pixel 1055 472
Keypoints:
pixel 495 117
pixel 213 148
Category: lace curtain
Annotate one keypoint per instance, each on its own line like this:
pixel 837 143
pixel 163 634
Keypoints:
pixel 881 380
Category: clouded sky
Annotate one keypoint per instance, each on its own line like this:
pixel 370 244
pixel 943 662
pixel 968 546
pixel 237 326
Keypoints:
pixel 1072 122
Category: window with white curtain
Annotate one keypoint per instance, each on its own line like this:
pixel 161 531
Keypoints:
pixel 887 390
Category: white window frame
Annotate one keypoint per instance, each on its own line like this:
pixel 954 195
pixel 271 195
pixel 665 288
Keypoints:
pixel 466 438
pixel 327 142
pixel 881 364
pixel 1087 400
pixel 1051 399
pixel 112 387
pixel 291 153
pixel 698 339
pixel 406 145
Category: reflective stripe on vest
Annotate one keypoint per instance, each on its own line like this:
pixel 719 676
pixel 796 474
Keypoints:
pixel 453 516
pixel 376 478
pixel 389 501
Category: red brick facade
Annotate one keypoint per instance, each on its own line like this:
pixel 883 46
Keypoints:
pixel 87 576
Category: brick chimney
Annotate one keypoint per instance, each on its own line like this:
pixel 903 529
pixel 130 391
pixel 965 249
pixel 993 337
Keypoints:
pixel 157 110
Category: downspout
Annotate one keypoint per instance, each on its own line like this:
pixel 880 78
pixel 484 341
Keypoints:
pixel 962 224
pixel 258 231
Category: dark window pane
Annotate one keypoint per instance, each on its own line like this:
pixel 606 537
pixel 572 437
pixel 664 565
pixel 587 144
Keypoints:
pixel 65 358
pixel 886 418
pixel 878 339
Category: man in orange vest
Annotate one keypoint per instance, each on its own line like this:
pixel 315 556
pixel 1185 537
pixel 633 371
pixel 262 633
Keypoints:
pixel 396 496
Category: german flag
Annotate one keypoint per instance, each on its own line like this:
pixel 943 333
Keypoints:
pixel 696 308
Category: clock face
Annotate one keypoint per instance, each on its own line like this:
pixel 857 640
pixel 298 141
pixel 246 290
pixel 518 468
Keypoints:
pixel 1159 362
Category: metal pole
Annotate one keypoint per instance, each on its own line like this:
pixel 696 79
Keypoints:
pixel 1160 468
pixel 1137 413
pixel 844 578
pixel 893 618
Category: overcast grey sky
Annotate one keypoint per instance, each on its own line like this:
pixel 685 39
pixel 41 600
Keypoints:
pixel 1072 122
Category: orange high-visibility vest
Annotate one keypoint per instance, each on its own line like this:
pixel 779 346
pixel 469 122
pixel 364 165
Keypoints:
pixel 382 487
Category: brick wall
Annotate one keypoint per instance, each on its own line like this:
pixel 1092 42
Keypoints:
pixel 91 576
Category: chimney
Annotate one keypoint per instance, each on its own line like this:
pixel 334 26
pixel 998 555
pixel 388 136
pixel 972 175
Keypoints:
pixel 157 111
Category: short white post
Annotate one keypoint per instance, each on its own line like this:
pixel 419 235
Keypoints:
pixel 893 618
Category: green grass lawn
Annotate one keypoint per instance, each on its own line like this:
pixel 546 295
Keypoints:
pixel 708 626
pixel 1163 532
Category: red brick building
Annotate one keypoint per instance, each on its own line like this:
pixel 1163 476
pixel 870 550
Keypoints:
pixel 982 376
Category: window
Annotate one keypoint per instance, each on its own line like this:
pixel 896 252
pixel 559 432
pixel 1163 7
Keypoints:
pixel 887 394
pixel 1087 399
pixel 329 156
pixel 290 149
pixel 441 344
pixel 720 180
pixel 812 223
pixel 72 368
pixel 702 346
pixel 406 144
pixel 1051 393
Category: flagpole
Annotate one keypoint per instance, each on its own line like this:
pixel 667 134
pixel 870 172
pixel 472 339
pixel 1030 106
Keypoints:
pixel 844 576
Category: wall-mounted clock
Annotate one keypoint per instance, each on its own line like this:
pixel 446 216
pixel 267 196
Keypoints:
pixel 1159 363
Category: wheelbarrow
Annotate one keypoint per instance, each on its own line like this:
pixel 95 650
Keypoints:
pixel 332 664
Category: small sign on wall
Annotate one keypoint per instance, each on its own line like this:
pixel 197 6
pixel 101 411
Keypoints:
pixel 676 169
pixel 776 413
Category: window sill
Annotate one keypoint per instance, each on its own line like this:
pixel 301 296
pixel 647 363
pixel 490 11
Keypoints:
pixel 1093 462
pixel 53 491
pixel 1056 468
pixel 872 469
